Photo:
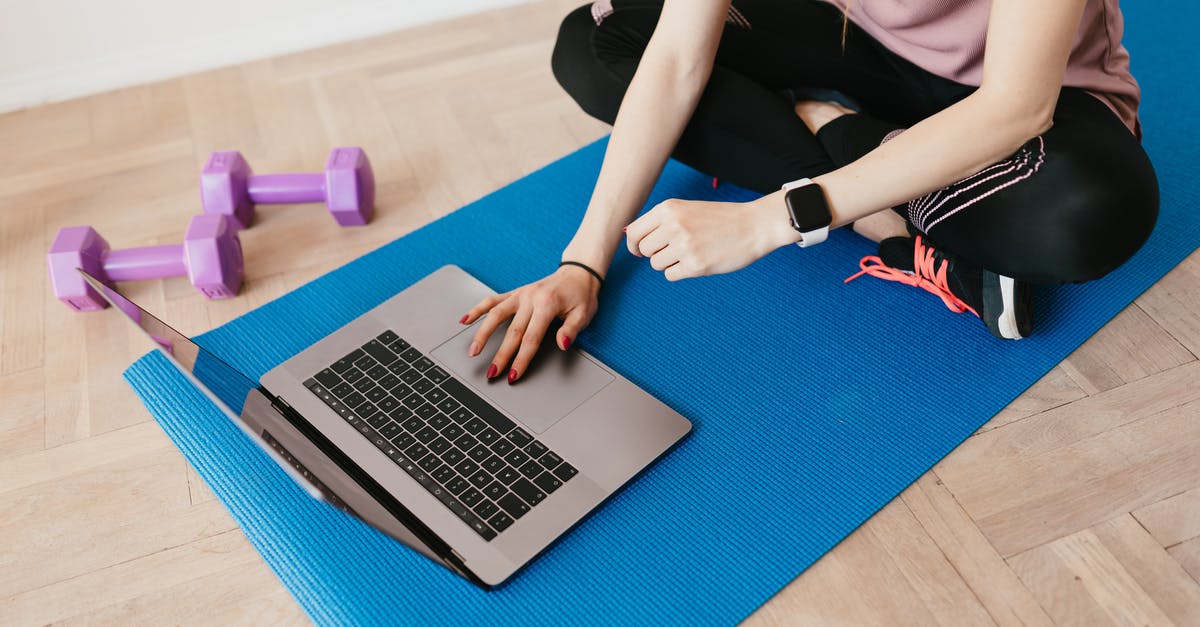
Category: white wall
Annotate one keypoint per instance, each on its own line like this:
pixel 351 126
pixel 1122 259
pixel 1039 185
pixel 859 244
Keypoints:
pixel 58 49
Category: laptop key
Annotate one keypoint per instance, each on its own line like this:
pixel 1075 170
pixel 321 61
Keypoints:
pixel 470 496
pixel 401 413
pixel 387 337
pixel 388 403
pixel 452 431
pixel 422 364
pixel 411 354
pixel 520 437
pixel 466 442
pixel 488 436
pixel 416 452
pixel 526 490
pixel 426 411
pixel 448 405
pixel 377 372
pixel 353 374
pixel 565 471
pixel 413 401
pixel 439 421
pixel 456 484
pixel 366 362
pixel 390 430
pixel 410 376
pixel 422 385
pixel 467 468
pixel 344 363
pixel 500 522
pixel 548 482
pixel 399 346
pixel 482 529
pixel 426 434
pixel 531 469
pixel 404 440
pixel 380 352
pixel 437 374
pixel 513 505
pixel 443 474
pixel 480 407
pixel 480 453
pixel 480 478
pixel 550 460
pixel 354 399
pixel 485 509
pixel 430 463
pixel 475 425
pixel 453 455
pixel 375 394
pixel 507 475
pixel 495 490
pixel 413 424
pixel 342 389
pixel 435 395
pixel 439 445
pixel 502 446
pixel 517 458
pixel 493 464
pixel 364 384
pixel 536 449
pixel 390 381
pixel 328 378
pixel 402 391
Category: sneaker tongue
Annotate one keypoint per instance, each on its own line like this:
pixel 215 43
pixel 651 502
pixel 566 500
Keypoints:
pixel 897 252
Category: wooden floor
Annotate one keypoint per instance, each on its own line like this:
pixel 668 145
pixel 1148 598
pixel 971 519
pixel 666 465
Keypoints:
pixel 1078 504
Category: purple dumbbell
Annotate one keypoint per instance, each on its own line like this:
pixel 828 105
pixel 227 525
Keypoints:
pixel 347 187
pixel 210 256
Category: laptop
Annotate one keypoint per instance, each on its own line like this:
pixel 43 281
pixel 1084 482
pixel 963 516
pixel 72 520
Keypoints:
pixel 388 420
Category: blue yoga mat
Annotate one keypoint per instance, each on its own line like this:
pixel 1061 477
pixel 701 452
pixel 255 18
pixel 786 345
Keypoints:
pixel 850 393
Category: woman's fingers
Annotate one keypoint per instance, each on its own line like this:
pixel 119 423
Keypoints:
pixel 512 341
pixel 576 319
pixel 654 241
pixel 638 229
pixel 664 258
pixel 499 313
pixel 483 307
pixel 539 322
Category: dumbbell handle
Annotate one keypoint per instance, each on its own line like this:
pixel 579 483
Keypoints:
pixel 274 189
pixel 148 262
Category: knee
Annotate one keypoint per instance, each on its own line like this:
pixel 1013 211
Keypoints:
pixel 579 70
pixel 1097 222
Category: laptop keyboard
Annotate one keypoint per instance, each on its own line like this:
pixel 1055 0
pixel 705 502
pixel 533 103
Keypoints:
pixel 476 461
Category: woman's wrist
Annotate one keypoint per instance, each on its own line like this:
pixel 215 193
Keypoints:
pixel 773 225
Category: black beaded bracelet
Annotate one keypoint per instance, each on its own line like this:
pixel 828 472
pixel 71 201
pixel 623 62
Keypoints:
pixel 589 270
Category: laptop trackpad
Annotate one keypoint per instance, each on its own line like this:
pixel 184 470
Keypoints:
pixel 556 383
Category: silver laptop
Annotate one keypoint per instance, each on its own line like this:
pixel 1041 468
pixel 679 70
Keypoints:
pixel 390 421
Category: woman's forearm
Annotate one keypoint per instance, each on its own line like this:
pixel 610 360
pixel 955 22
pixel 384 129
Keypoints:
pixel 942 149
pixel 659 102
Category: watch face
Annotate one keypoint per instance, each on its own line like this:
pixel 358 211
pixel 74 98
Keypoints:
pixel 807 208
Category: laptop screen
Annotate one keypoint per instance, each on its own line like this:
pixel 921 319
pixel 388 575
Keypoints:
pixel 224 385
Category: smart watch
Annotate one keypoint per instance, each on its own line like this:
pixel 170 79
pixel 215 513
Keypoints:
pixel 808 211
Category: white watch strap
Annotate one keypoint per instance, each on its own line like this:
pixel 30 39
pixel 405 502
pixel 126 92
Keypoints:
pixel 809 238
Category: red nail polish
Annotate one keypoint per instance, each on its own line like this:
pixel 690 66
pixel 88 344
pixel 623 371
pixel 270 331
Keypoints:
pixel 463 320
pixel 624 229
pixel 512 375
pixel 566 342
pixel 714 182
pixel 492 370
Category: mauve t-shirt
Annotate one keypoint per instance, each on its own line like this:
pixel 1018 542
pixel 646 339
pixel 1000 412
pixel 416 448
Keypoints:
pixel 946 37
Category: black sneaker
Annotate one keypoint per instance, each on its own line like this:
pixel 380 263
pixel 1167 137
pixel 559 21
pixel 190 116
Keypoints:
pixel 1005 305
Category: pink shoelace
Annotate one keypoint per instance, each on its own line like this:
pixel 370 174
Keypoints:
pixel 925 276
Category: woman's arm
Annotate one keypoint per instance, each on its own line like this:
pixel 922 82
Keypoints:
pixel 657 105
pixel 1028 44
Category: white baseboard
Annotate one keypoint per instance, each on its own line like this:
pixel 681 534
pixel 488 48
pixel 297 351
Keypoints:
pixel 240 43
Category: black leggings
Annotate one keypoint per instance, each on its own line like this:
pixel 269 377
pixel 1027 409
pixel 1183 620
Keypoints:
pixel 1071 205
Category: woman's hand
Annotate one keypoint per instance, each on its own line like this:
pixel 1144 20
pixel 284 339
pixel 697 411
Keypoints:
pixel 570 293
pixel 686 238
